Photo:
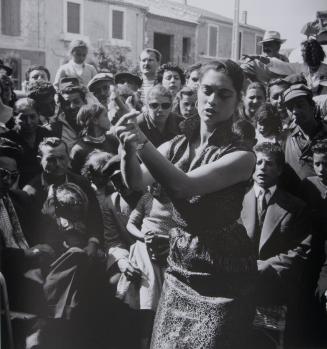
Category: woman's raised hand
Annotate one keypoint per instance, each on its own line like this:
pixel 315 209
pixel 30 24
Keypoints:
pixel 128 132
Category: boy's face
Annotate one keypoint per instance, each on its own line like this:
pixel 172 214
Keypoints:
pixel 266 171
pixel 320 166
pixel 187 105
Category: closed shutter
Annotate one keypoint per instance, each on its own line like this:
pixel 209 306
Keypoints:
pixel 73 17
pixel 213 35
pixel 117 24
pixel 10 17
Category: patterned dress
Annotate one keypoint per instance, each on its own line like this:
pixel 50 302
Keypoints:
pixel 206 299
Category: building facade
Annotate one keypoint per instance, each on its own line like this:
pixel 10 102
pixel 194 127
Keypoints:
pixel 39 31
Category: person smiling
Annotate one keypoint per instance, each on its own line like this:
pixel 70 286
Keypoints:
pixel 205 175
pixel 255 95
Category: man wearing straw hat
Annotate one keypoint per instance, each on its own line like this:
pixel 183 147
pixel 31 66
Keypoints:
pixel 271 44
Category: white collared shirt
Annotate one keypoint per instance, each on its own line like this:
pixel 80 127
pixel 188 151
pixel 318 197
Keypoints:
pixel 269 191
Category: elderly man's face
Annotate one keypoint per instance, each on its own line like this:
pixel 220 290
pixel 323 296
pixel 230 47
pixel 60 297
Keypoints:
pixel 8 174
pixel 300 111
pixel 54 160
pixel 271 48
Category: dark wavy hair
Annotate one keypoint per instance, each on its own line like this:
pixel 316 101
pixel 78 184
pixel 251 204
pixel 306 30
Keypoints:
pixel 319 147
pixel 313 53
pixel 36 67
pixel 273 150
pixel 230 68
pixel 170 67
pixel 268 115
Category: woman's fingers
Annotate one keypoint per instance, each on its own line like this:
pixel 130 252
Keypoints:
pixel 131 116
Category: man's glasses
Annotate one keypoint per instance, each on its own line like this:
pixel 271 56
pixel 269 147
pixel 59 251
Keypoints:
pixel 164 106
pixel 6 174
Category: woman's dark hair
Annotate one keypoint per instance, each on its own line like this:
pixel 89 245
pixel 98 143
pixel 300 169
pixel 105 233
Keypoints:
pixel 268 115
pixel 257 86
pixel 313 53
pixel 87 114
pixel 95 162
pixel 320 147
pixel 193 67
pixel 170 67
pixel 230 68
pixel 243 130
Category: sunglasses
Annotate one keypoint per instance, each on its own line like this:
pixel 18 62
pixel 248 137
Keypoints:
pixel 164 106
pixel 6 174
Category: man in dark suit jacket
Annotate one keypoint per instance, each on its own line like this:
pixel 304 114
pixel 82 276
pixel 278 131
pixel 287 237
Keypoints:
pixel 278 225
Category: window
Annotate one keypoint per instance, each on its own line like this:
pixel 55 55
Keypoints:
pixel 73 17
pixel 186 50
pixel 258 47
pixel 213 41
pixel 117 26
pixel 10 17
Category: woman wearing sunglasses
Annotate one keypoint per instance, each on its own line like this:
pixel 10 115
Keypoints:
pixel 158 122
pixel 207 298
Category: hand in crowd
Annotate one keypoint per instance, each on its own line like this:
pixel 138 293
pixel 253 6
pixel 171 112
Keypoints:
pixel 40 250
pixel 91 249
pixel 128 132
pixel 132 272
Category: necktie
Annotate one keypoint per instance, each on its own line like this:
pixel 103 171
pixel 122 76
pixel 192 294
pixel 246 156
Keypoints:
pixel 262 205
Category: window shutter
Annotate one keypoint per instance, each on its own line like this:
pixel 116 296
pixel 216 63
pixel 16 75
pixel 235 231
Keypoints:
pixel 213 34
pixel 117 24
pixel 73 18
pixel 10 17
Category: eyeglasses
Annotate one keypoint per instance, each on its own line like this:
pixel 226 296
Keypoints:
pixel 164 106
pixel 6 174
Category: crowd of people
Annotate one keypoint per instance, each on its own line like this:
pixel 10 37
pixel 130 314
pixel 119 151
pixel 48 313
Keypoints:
pixel 170 209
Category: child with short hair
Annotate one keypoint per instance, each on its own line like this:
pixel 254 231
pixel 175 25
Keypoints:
pixel 314 188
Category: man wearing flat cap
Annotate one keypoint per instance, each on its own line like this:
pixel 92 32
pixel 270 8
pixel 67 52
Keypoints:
pixel 271 44
pixel 71 97
pixel 306 129
pixel 99 85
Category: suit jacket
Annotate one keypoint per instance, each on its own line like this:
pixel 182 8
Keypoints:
pixel 285 238
pixel 39 192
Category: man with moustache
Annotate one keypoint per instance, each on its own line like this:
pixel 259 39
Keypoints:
pixel 149 63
